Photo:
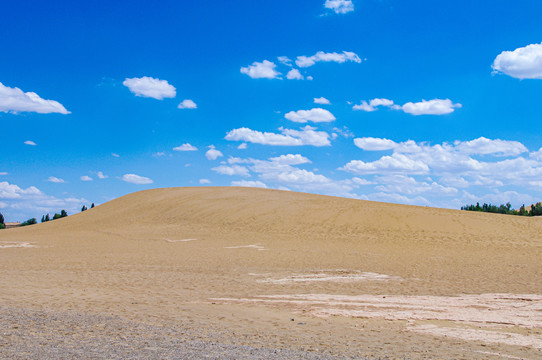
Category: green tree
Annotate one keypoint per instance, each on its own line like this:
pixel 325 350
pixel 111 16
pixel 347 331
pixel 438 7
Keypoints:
pixel 63 213
pixel 2 219
pixel 83 208
pixel 30 221
pixel 91 206
pixel 47 217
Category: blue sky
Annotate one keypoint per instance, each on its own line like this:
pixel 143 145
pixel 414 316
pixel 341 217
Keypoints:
pixel 425 103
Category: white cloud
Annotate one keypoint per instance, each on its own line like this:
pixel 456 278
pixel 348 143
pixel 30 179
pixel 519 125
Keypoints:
pixel 424 107
pixel 314 115
pixel 290 159
pixel 396 163
pixel 204 181
pixel 320 56
pixel 86 178
pixel 430 107
pixel 232 170
pixel 339 6
pixel 136 179
pixel 115 155
pixel 8 191
pixel 56 180
pixel 30 142
pixel 15 100
pixel 322 100
pixel 150 87
pixel 187 104
pixel 245 183
pixel 409 186
pixel 101 175
pixel 257 70
pixel 159 154
pixel 185 147
pixel 310 78
pixel 522 63
pixel 289 137
pixel 2 173
pixel 359 181
pixel 294 74
pixel 364 106
pixel 242 146
pixel 21 203
pixel 381 102
pixel 212 153
pixel 285 60
pixel 484 146
pixel 374 144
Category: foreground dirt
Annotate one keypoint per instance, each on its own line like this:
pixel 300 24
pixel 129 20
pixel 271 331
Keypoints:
pixel 284 270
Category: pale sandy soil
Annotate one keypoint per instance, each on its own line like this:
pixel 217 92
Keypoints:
pixel 284 270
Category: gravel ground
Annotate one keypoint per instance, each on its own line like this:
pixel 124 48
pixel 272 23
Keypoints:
pixel 30 334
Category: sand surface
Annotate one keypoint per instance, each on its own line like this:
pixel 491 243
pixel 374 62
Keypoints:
pixel 266 269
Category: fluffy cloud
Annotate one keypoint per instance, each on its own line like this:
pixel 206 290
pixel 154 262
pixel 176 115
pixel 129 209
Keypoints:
pixel 285 60
pixel 314 115
pixel 396 163
pixel 19 203
pixel 101 175
pixel 320 56
pixel 185 147
pixel 242 146
pixel 86 178
pixel 115 155
pixel 294 74
pixel 212 153
pixel 374 144
pixel 15 100
pixel 2 173
pixel 12 191
pixel 263 70
pixel 407 185
pixel 289 137
pixel 204 181
pixel 431 107
pixel 150 87
pixel 30 142
pixel 56 180
pixel 424 107
pixel 290 159
pixel 322 101
pixel 245 183
pixel 136 179
pixel 522 63
pixel 232 170
pixel 484 146
pixel 339 6
pixel 187 104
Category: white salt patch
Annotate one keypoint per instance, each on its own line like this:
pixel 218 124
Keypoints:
pixel 468 334
pixel 182 240
pixel 495 314
pixel 335 276
pixel 253 246
pixel 498 354
pixel 16 245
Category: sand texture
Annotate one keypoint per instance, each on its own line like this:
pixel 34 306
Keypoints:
pixel 255 273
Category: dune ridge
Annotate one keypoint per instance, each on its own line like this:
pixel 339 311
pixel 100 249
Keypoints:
pixel 251 259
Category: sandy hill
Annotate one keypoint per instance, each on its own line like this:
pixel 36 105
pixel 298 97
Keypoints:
pixel 190 253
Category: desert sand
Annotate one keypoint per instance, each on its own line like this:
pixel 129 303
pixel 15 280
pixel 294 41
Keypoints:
pixel 271 273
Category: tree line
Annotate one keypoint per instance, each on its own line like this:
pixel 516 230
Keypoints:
pixel 44 218
pixel 535 210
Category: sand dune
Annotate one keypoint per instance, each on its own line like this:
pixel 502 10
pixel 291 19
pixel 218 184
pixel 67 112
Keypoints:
pixel 217 259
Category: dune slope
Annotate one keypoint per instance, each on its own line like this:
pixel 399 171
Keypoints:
pixel 193 255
